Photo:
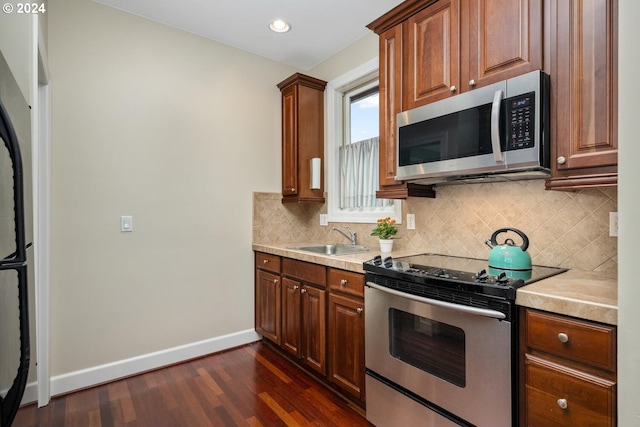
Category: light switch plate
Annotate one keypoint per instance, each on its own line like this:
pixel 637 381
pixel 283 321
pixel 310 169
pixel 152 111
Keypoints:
pixel 126 223
pixel 324 219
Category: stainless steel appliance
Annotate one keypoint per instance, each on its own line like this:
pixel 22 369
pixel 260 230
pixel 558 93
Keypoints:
pixel 440 341
pixel 15 243
pixel 499 131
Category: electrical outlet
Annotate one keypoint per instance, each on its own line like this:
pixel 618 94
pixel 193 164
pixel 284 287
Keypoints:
pixel 411 221
pixel 613 224
pixel 324 219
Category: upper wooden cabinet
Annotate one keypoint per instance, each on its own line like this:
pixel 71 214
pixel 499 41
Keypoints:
pixel 430 50
pixel 584 93
pixel 302 137
pixel 433 49
pixel 504 40
pixel 431 60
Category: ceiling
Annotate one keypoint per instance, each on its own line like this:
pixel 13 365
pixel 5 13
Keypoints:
pixel 319 28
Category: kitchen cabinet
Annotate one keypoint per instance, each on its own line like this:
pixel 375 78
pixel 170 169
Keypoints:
pixel 302 137
pixel 569 371
pixel 346 332
pixel 584 93
pixel 304 312
pixel 268 296
pixel 430 50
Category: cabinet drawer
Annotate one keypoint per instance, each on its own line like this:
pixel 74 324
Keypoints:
pixel 268 262
pixel 560 396
pixel 581 341
pixel 305 271
pixel 347 282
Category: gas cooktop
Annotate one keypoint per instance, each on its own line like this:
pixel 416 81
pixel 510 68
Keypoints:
pixel 457 273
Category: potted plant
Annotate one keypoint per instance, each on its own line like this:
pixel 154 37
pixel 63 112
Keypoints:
pixel 385 231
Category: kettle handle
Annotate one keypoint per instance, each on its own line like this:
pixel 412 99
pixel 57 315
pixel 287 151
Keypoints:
pixel 525 239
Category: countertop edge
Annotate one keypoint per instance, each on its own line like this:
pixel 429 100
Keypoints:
pixel 582 294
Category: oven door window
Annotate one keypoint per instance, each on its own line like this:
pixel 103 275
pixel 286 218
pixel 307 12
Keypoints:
pixel 429 345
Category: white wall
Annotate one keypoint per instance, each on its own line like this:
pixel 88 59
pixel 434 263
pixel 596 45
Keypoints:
pixel 15 44
pixel 177 131
pixel 629 213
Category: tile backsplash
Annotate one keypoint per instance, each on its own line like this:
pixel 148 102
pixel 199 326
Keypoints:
pixel 565 229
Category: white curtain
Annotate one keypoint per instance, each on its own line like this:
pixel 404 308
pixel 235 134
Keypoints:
pixel 359 175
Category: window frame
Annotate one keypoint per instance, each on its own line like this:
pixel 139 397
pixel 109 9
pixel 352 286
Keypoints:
pixel 334 136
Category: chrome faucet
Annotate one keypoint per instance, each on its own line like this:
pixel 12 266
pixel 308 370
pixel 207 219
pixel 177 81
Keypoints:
pixel 353 236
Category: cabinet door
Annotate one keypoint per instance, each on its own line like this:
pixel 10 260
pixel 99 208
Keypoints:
pixel 390 87
pixel 585 91
pixel 504 40
pixel 346 344
pixel 313 328
pixel 561 396
pixel 291 316
pixel 290 141
pixel 268 305
pixel 432 54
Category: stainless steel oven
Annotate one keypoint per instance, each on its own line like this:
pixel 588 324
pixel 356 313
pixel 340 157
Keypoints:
pixel 440 342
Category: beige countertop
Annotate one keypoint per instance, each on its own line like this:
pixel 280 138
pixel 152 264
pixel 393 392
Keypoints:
pixel 352 262
pixel 583 294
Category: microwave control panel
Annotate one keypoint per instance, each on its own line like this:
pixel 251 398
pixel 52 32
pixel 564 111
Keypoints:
pixel 520 121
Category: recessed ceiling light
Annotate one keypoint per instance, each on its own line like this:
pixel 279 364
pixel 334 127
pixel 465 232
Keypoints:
pixel 279 26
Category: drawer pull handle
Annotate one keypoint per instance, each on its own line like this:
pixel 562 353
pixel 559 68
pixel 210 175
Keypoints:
pixel 563 338
pixel 343 282
pixel 562 403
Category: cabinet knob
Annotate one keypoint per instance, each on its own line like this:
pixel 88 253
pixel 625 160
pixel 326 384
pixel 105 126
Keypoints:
pixel 562 403
pixel 452 89
pixel 303 291
pixel 293 190
pixel 561 160
pixel 275 280
pixel 343 282
pixel 472 83
pixel 359 310
pixel 295 287
pixel 563 338
pixel 266 261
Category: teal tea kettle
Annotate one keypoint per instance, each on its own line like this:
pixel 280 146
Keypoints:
pixel 508 256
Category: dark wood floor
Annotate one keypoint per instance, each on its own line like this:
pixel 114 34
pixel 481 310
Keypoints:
pixel 246 386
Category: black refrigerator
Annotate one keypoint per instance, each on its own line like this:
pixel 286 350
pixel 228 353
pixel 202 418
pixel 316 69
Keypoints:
pixel 16 242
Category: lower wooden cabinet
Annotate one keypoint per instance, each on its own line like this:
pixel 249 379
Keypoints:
pixel 346 344
pixel 315 314
pixel 267 297
pixel 568 370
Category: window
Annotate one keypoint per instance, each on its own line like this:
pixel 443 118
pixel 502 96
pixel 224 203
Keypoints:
pixel 352 148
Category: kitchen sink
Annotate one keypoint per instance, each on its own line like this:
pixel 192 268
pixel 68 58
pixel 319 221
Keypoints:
pixel 333 249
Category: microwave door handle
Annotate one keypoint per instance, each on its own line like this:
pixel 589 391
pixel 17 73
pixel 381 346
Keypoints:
pixel 495 125
pixel 458 307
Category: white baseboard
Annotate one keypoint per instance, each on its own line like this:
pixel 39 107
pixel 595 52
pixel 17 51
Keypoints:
pixel 123 368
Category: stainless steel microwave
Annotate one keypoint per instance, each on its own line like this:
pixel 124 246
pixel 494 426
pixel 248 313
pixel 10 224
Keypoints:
pixel 497 131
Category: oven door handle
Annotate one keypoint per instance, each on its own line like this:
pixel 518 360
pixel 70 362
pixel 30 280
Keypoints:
pixel 458 307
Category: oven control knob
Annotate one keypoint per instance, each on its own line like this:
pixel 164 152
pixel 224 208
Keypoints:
pixel 442 273
pixel 482 276
pixel 388 262
pixel 377 260
pixel 502 279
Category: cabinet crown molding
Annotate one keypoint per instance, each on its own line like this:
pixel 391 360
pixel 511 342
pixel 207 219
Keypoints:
pixel 398 14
